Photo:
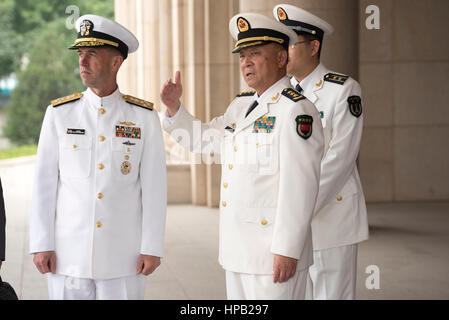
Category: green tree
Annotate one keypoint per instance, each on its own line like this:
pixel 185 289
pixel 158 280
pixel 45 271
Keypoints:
pixel 11 42
pixel 52 72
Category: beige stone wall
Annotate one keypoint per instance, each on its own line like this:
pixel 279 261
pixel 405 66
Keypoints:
pixel 185 35
pixel 403 73
pixel 402 69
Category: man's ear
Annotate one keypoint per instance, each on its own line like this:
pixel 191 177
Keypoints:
pixel 282 58
pixel 315 45
pixel 117 61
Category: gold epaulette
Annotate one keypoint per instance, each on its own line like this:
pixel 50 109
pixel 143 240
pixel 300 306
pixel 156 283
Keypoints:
pixel 246 94
pixel 336 78
pixel 138 102
pixel 292 94
pixel 71 97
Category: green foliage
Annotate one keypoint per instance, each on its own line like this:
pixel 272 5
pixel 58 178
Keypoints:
pixel 11 43
pixel 52 70
pixel 15 152
pixel 31 14
pixel 51 73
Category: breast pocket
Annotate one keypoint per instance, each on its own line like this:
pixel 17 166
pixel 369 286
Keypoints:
pixel 125 159
pixel 267 154
pixel 75 156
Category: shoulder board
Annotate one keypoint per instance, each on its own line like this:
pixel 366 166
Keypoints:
pixel 138 102
pixel 292 94
pixel 71 97
pixel 336 78
pixel 246 94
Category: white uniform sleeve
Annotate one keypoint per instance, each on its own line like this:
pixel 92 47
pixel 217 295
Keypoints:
pixel 153 178
pixel 43 206
pixel 298 182
pixel 193 135
pixel 340 159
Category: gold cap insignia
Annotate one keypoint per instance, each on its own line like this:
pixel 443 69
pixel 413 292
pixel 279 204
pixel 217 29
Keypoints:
pixel 243 24
pixel 85 27
pixel 282 14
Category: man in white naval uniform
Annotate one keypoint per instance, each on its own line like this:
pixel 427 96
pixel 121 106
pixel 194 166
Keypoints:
pixel 98 213
pixel 340 220
pixel 271 147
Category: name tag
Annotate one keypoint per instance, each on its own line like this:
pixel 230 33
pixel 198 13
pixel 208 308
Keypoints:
pixel 230 129
pixel 76 131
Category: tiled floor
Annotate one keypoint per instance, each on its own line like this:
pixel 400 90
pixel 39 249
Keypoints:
pixel 409 244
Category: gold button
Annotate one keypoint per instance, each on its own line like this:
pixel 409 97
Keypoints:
pixel 230 167
pixel 257 144
pixel 100 196
pixel 264 222
pixel 126 157
pixel 235 148
pixel 223 203
pixel 102 111
pixel 128 150
pixel 101 166
pixel 99 225
pixel 225 185
pixel 74 146
pixel 101 138
pixel 339 198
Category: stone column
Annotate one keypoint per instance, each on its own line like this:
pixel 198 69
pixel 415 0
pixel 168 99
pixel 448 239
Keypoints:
pixel 191 36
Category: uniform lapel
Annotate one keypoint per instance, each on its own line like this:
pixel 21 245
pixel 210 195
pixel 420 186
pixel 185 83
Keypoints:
pixel 316 83
pixel 258 112
pixel 262 108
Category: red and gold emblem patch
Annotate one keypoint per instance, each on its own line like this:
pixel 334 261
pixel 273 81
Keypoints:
pixel 304 126
pixel 243 24
pixel 282 15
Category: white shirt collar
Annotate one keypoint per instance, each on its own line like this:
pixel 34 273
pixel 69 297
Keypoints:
pixel 306 81
pixel 268 92
pixel 102 102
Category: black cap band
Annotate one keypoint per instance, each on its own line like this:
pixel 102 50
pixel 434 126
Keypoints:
pixel 97 39
pixel 260 36
pixel 302 27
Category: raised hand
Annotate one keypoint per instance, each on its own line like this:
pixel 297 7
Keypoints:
pixel 171 93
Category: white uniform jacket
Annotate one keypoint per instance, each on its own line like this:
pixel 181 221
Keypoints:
pixel 340 213
pixel 100 186
pixel 270 176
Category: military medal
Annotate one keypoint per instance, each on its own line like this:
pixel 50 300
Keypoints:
pixel 127 132
pixel 264 125
pixel 126 167
pixel 304 126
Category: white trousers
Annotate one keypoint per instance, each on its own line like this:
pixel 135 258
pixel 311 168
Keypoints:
pixel 242 286
pixel 69 288
pixel 333 274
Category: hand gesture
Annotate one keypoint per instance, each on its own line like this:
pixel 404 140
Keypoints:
pixel 171 93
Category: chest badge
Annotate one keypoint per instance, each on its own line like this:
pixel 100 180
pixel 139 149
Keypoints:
pixel 355 106
pixel 304 126
pixel 264 125
pixel 126 167
pixel 127 132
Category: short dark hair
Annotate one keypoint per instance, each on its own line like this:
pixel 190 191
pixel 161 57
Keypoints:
pixel 115 51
